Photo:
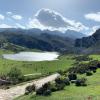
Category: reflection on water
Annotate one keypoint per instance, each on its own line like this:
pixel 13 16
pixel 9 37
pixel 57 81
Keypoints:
pixel 32 56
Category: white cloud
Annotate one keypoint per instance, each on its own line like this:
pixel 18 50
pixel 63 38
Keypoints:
pixel 17 17
pixel 5 26
pixel 93 16
pixel 93 30
pixel 49 19
pixel 2 17
pixel 20 26
pixel 9 13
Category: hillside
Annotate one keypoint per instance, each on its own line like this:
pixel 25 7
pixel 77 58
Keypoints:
pixel 90 44
pixel 43 41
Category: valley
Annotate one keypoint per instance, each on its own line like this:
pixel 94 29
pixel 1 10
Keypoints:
pixel 25 58
pixel 49 49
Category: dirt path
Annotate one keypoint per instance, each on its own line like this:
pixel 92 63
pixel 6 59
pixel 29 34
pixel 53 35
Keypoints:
pixel 14 92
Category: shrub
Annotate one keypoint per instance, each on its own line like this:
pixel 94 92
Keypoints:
pixel 82 58
pixel 44 90
pixel 47 92
pixel 89 73
pixel 53 87
pixel 59 80
pixel 66 81
pixel 81 82
pixel 60 86
pixel 39 91
pixel 98 65
pixel 30 89
pixel 15 75
pixel 72 76
pixel 82 68
pixel 94 71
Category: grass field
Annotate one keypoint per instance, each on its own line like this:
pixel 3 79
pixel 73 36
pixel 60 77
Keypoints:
pixel 90 92
pixel 72 92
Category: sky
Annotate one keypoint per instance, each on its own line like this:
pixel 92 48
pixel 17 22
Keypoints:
pixel 79 15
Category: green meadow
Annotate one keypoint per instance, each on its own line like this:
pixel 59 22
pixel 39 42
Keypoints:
pixel 72 92
pixel 91 91
pixel 43 67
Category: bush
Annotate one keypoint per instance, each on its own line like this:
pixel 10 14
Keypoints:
pixel 15 75
pixel 82 58
pixel 81 82
pixel 30 89
pixel 94 71
pixel 59 80
pixel 89 73
pixel 47 92
pixel 53 87
pixel 98 65
pixel 60 86
pixel 44 90
pixel 72 76
pixel 39 91
pixel 66 81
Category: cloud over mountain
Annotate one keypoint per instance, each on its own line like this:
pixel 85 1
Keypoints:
pixel 49 19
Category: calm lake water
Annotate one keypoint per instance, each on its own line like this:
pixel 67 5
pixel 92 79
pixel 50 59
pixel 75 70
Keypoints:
pixel 32 56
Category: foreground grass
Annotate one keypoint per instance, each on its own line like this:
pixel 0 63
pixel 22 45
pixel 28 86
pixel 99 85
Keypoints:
pixel 90 92
pixel 95 57
pixel 72 92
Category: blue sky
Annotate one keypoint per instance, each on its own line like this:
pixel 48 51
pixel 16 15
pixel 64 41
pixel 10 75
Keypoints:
pixel 80 15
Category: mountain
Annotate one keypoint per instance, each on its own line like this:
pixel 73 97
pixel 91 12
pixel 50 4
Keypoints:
pixel 43 41
pixel 69 33
pixel 91 43
pixel 74 34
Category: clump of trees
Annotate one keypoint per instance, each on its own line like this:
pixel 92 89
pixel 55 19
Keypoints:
pixel 82 58
pixel 82 68
pixel 57 85
pixel 48 88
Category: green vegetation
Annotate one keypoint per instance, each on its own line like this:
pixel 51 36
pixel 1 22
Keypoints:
pixel 44 67
pixel 15 75
pixel 72 92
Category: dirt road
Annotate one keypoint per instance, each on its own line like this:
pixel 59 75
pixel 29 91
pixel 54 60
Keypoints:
pixel 14 92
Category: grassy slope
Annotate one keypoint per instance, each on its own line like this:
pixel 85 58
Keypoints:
pixel 35 67
pixel 74 93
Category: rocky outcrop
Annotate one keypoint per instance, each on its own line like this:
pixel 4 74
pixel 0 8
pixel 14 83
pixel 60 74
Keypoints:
pixel 88 41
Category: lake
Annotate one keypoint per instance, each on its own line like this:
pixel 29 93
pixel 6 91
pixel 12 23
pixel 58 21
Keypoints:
pixel 32 56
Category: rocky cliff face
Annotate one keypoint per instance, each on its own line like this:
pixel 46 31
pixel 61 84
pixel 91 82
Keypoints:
pixel 88 41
